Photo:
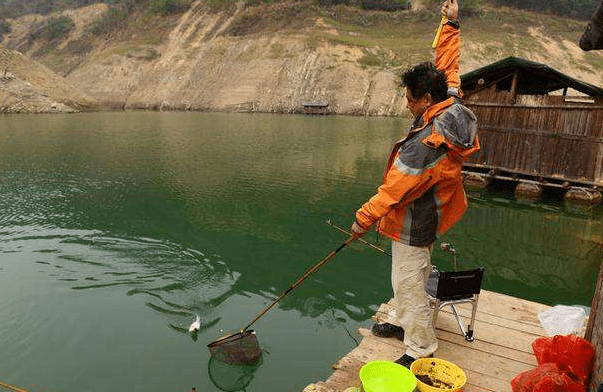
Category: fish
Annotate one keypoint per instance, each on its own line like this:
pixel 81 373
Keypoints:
pixel 196 325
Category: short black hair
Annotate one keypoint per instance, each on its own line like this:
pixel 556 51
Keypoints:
pixel 426 78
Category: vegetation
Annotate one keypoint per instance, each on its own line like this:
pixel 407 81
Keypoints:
pixel 381 5
pixel 581 9
pixel 54 29
pixel 113 19
pixel 385 5
pixel 15 8
pixel 168 7
pixel 4 28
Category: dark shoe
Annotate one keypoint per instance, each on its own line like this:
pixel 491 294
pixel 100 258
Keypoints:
pixel 387 330
pixel 406 360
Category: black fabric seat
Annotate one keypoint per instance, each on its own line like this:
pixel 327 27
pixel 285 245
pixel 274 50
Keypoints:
pixel 450 288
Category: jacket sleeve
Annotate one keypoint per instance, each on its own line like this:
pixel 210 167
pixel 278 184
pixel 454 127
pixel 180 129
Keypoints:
pixel 447 55
pixel 405 181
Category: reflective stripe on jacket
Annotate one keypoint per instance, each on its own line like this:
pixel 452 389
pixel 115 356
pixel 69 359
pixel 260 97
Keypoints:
pixel 422 192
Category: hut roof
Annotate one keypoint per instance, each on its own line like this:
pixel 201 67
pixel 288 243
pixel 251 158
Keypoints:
pixel 533 78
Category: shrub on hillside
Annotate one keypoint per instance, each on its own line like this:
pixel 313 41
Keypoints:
pixel 385 5
pixel 168 7
pixel 79 47
pixel 54 29
pixel 329 3
pixel 4 28
pixel 583 9
pixel 16 8
pixel 111 20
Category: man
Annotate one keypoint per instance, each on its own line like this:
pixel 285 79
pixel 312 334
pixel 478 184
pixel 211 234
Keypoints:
pixel 422 193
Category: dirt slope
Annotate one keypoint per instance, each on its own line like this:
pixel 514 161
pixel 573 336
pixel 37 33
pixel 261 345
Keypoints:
pixel 273 59
pixel 29 87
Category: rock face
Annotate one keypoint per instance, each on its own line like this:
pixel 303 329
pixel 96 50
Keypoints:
pixel 29 87
pixel 229 60
pixel 199 68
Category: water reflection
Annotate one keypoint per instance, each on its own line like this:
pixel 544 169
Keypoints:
pixel 542 251
pixel 231 377
pixel 164 216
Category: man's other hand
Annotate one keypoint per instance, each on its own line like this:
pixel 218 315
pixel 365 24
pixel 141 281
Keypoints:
pixel 450 9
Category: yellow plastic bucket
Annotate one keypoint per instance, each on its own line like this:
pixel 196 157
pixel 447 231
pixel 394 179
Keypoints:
pixel 441 374
pixel 386 376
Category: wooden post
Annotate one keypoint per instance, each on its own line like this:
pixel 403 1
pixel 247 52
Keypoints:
pixel 514 87
pixel 594 332
pixel 599 161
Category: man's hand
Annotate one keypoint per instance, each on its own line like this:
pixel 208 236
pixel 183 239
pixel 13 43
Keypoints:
pixel 357 230
pixel 450 9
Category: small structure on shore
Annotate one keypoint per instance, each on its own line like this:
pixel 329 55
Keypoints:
pixel 538 128
pixel 316 107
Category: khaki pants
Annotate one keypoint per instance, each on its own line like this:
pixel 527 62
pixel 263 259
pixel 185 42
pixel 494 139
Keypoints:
pixel 411 266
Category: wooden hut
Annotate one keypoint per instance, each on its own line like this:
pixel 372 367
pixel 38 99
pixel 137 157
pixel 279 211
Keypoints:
pixel 316 107
pixel 537 127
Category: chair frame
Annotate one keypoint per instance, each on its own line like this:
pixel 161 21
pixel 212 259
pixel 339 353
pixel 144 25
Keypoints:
pixel 450 291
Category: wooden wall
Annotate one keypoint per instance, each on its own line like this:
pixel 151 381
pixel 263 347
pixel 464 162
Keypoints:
pixel 552 136
pixel 594 333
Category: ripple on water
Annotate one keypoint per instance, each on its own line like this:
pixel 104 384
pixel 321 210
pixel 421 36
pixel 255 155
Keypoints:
pixel 179 282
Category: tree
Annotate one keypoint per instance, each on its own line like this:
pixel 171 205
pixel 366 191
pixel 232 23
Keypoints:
pixel 582 9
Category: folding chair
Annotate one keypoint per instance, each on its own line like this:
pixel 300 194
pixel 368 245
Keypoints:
pixel 450 288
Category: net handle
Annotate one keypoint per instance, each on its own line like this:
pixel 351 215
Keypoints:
pixel 309 272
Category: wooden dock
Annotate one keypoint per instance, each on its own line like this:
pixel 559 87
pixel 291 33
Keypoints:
pixel 504 331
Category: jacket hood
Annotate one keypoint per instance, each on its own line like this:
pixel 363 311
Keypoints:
pixel 458 125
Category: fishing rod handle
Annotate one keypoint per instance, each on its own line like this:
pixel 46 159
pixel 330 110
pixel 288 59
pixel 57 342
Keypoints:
pixel 330 223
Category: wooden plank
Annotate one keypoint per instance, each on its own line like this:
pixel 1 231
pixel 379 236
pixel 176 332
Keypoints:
pixel 505 329
pixel 492 371
pixel 510 308
pixel 457 339
pixel 521 132
pixel 489 347
pixel 449 339
pixel 319 387
pixel 497 331
pixel 504 309
pixel 470 105
pixel 522 321
pixel 499 335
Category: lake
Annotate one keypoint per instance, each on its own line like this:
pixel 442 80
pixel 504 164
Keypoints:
pixel 118 229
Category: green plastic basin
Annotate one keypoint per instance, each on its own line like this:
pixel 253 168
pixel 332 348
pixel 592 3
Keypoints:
pixel 386 376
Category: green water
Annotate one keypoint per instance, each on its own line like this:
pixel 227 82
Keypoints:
pixel 117 229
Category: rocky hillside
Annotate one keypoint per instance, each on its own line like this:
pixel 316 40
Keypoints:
pixel 27 86
pixel 267 57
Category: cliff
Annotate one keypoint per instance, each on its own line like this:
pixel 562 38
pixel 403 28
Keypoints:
pixel 29 87
pixel 266 58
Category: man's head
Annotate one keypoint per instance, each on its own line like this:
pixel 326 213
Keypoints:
pixel 425 85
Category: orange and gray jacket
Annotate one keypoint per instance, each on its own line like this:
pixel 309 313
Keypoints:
pixel 422 192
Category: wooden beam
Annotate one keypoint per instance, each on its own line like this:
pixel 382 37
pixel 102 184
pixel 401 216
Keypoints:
pixel 599 161
pixel 505 329
pixel 514 86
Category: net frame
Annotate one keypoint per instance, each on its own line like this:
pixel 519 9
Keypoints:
pixel 241 347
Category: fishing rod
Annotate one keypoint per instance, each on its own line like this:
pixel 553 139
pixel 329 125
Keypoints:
pixel 243 346
pixel 443 21
pixel 370 244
